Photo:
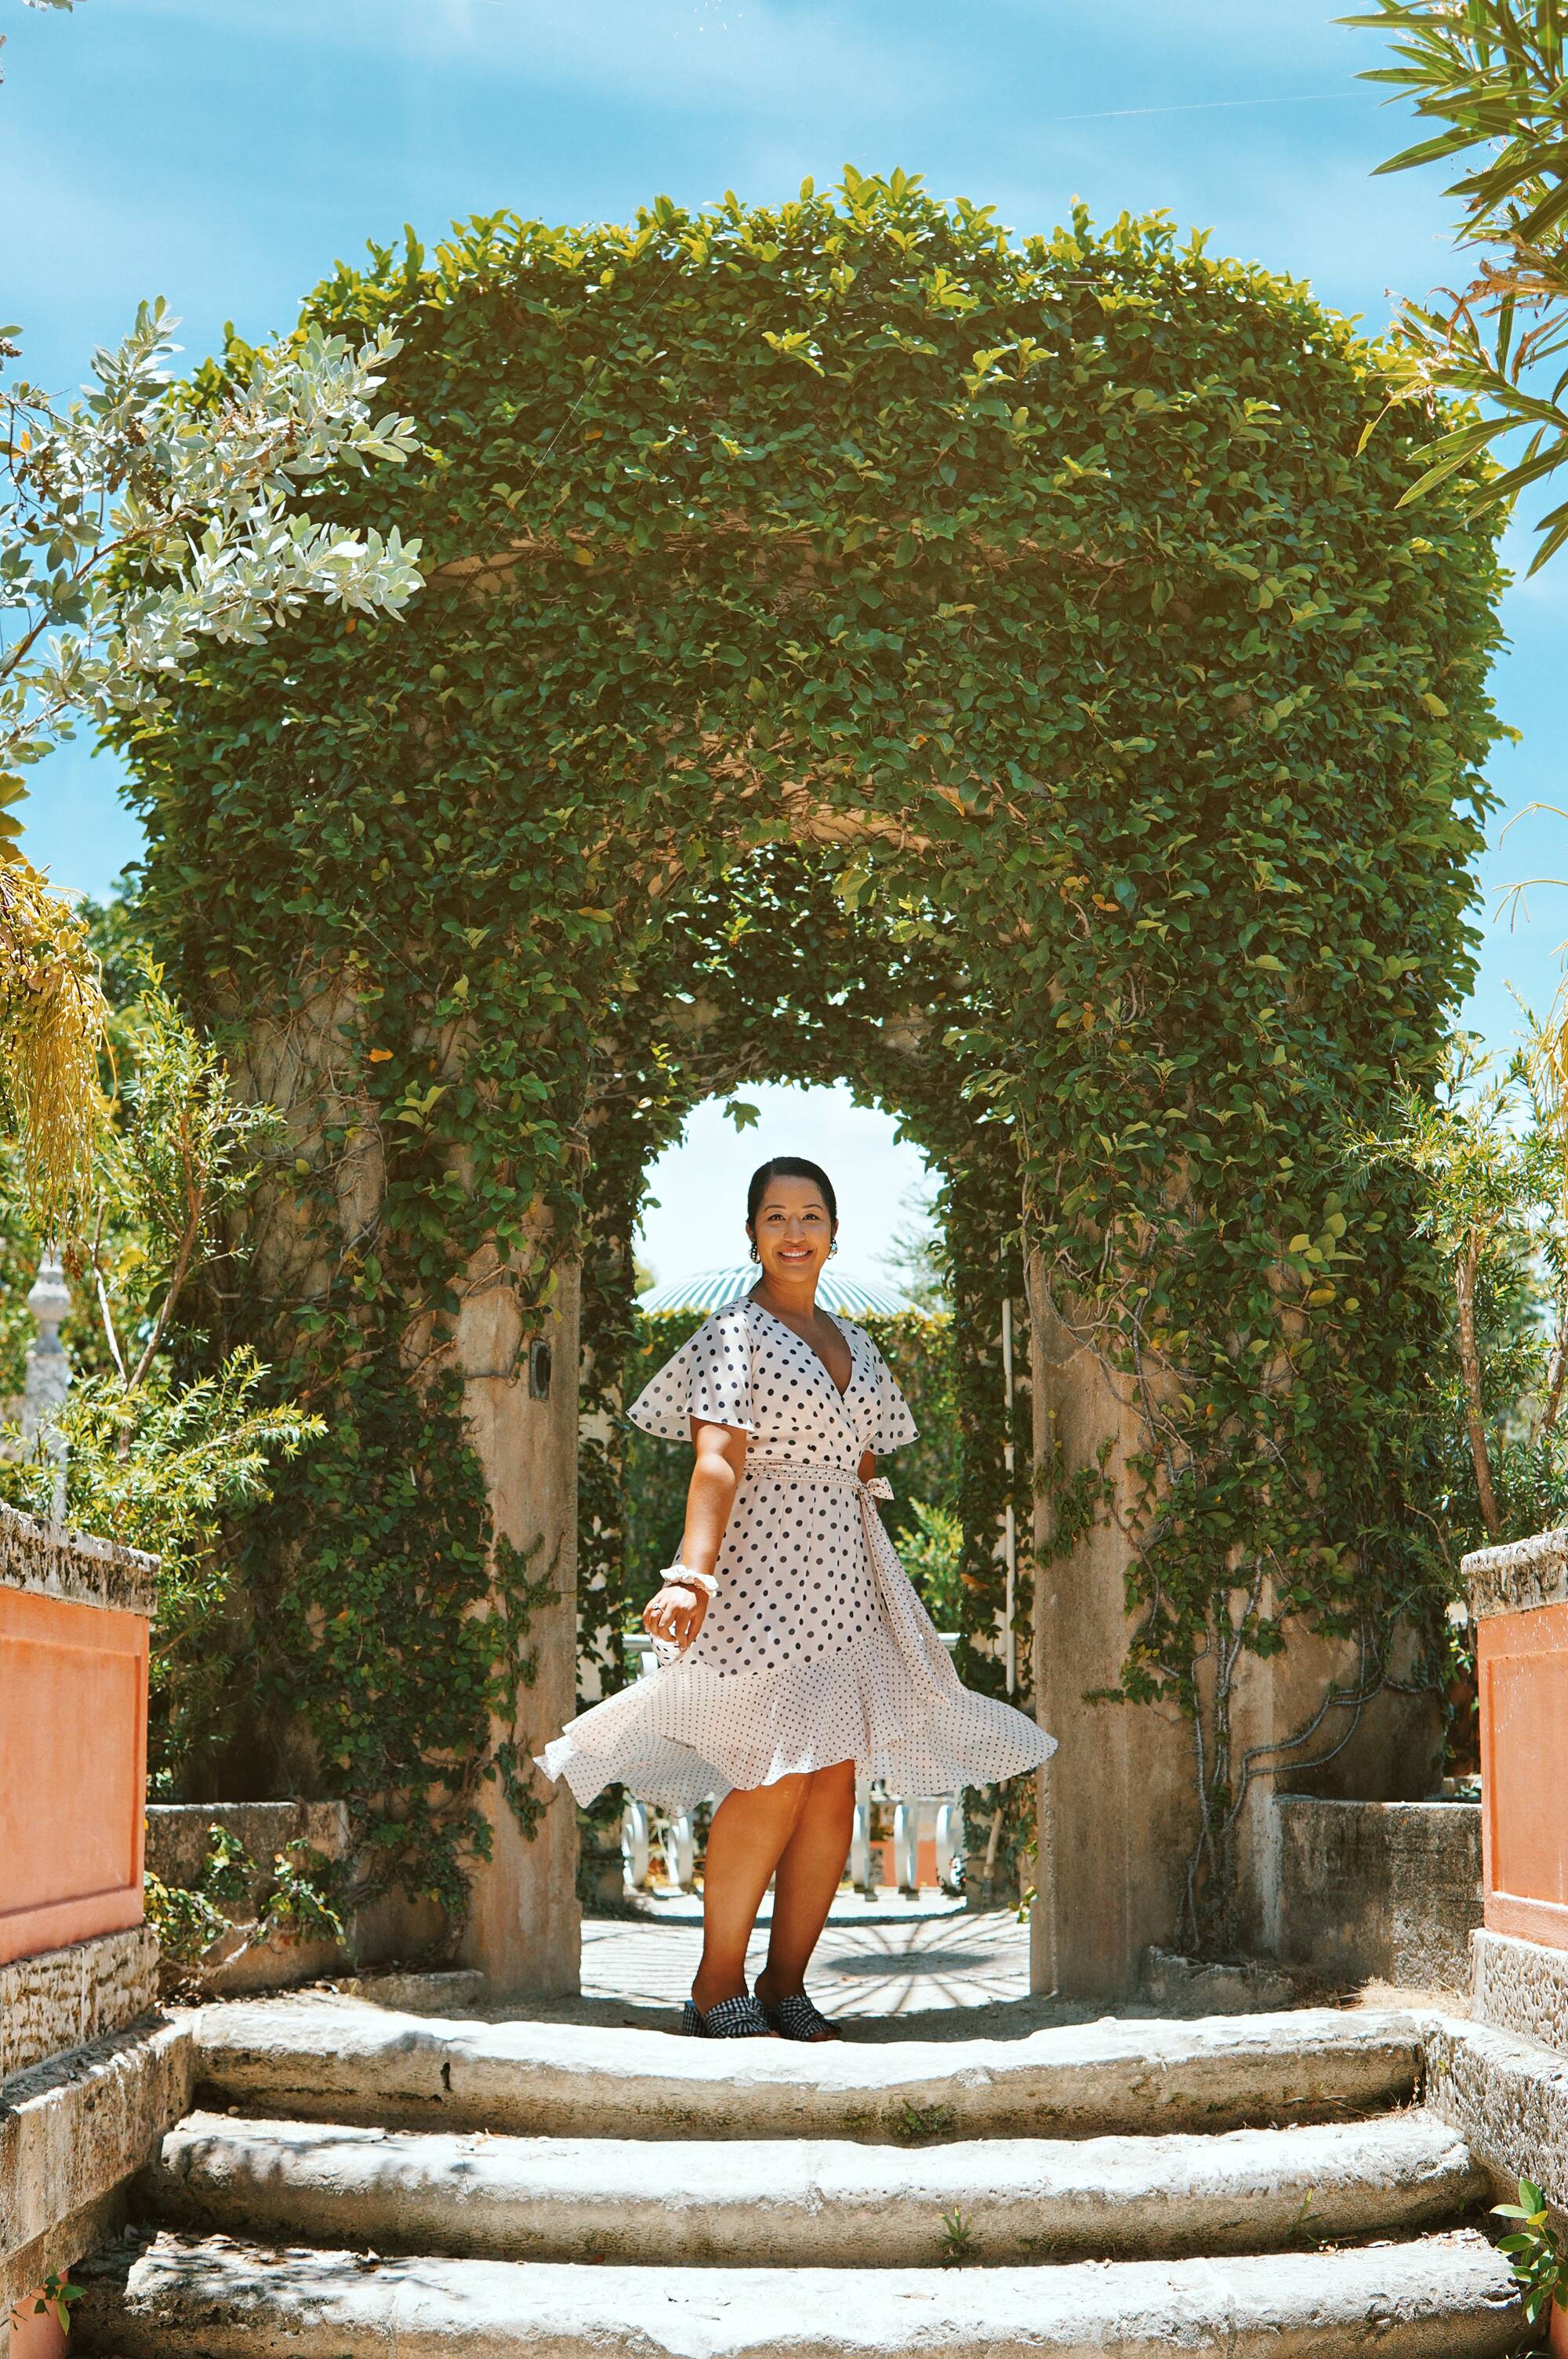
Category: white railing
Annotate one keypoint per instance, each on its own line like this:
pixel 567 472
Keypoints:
pixel 942 1819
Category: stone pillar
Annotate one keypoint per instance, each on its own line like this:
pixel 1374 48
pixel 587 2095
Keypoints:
pixel 521 1410
pixel 1118 1809
pixel 524 1929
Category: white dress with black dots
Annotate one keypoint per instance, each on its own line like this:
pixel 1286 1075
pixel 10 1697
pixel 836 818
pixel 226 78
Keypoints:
pixel 816 1648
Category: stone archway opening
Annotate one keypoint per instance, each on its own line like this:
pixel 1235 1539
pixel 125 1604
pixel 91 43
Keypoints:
pixel 784 972
pixel 899 1952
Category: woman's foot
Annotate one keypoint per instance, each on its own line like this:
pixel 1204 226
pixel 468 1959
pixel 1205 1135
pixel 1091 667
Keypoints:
pixel 709 1987
pixel 712 1990
pixel 790 2012
pixel 727 2018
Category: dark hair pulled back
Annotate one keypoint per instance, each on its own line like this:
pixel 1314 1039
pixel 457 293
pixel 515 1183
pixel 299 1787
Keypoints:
pixel 788 1167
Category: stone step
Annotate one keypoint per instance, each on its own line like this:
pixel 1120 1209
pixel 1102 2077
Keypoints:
pixel 793 2202
pixel 1439 2298
pixel 338 2061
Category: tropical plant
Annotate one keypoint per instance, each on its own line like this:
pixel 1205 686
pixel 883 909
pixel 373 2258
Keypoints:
pixel 1482 1448
pixel 1490 74
pixel 179 1154
pixel 917 1255
pixel 1535 2252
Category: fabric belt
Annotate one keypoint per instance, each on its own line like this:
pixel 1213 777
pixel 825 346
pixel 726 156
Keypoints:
pixel 879 1487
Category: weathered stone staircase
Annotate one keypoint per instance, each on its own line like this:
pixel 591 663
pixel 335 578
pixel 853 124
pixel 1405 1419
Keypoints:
pixel 362 2183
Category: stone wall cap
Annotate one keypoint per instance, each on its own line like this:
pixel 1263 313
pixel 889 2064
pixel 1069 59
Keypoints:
pixel 76 1566
pixel 1428 1807
pixel 1518 1576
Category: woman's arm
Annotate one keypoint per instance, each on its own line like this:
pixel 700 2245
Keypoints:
pixel 677 1611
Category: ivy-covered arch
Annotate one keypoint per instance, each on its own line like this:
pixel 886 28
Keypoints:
pixel 762 973
pixel 1044 591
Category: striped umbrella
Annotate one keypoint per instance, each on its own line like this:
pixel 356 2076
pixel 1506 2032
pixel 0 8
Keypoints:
pixel 834 1291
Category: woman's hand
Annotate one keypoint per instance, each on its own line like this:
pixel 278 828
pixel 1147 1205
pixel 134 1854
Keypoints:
pixel 676 1612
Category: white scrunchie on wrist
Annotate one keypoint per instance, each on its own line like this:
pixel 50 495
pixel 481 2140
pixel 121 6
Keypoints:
pixel 683 1575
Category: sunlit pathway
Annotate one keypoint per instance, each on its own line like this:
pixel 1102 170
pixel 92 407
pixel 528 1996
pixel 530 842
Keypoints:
pixel 874 1962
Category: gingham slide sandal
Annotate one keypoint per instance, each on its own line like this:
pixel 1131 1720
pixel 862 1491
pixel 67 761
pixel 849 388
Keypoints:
pixel 731 2019
pixel 796 2018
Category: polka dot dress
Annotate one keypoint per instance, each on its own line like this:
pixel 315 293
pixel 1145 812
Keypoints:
pixel 816 1648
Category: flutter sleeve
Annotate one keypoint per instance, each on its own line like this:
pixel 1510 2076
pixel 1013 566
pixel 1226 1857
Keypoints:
pixel 893 1426
pixel 709 1377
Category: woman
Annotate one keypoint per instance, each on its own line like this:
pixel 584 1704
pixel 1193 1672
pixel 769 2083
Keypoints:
pixel 796 1651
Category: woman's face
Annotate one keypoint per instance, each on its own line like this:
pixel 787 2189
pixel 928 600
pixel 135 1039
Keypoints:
pixel 794 1232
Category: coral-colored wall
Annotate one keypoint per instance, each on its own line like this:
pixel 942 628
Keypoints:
pixel 73 1712
pixel 1522 1667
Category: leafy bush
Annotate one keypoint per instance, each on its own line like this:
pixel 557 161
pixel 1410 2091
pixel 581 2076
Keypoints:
pixel 932 1548
pixel 296 1904
pixel 157 1452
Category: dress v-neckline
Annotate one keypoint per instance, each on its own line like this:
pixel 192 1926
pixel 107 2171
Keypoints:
pixel 840 1395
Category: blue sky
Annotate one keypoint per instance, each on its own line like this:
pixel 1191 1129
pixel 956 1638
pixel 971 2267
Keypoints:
pixel 222 153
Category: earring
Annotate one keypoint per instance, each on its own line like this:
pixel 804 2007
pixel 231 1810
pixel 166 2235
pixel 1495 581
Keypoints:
pixel 755 1254
pixel 833 1246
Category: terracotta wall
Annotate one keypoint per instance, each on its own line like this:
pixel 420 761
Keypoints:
pixel 74 1619
pixel 1519 1599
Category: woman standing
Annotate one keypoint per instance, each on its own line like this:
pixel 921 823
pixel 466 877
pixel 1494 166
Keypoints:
pixel 797 1653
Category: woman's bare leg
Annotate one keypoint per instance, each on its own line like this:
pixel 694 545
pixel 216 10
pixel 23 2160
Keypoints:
pixel 809 1872
pixel 751 1832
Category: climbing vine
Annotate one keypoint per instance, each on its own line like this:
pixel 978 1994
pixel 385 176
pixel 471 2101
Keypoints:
pixel 1036 601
